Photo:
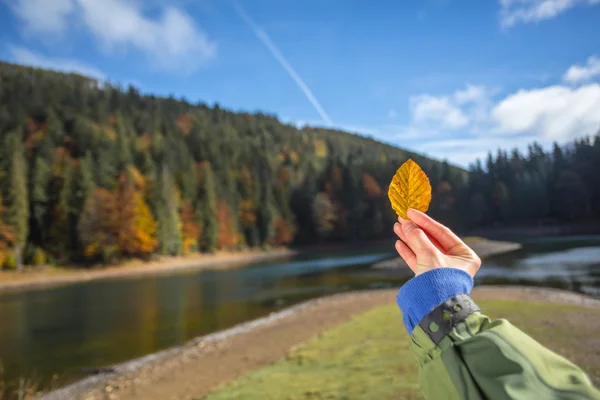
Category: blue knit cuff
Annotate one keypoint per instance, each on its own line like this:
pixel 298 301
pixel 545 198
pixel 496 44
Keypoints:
pixel 420 295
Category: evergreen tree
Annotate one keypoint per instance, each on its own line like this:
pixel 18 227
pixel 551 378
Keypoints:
pixel 61 231
pixel 82 186
pixel 40 190
pixel 169 224
pixel 232 179
pixel 16 196
pixel 206 209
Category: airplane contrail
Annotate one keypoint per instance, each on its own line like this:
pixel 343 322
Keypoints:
pixel 266 40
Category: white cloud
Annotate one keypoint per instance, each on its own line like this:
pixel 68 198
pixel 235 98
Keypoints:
pixel 513 12
pixel 471 94
pixel 44 16
pixel 171 41
pixel 459 110
pixel 437 110
pixel 483 121
pixel 555 112
pixel 577 73
pixel 24 56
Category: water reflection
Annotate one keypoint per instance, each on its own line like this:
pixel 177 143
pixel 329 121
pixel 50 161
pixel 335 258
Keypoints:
pixel 95 324
pixel 573 265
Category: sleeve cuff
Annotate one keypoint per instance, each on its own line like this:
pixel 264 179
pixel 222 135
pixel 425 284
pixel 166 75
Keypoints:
pixel 420 295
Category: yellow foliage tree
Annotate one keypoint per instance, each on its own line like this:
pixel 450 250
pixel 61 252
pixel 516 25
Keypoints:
pixel 190 230
pixel 137 233
pixel 7 236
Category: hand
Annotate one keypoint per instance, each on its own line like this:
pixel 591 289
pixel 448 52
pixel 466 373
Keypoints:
pixel 426 244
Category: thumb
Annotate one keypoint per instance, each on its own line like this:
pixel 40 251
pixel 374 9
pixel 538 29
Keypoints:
pixel 416 239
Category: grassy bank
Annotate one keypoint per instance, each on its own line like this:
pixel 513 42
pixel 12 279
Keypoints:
pixel 368 356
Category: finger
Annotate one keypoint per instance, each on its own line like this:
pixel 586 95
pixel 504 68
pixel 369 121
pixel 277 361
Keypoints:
pixel 445 237
pixel 416 239
pixel 436 243
pixel 407 255
pixel 433 240
pixel 398 231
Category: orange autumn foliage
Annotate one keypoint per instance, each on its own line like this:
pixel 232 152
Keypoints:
pixel 371 188
pixel 184 123
pixel 118 222
pixel 99 223
pixel 247 213
pixel 227 237
pixel 137 233
pixel 137 237
pixel 283 233
pixel 190 230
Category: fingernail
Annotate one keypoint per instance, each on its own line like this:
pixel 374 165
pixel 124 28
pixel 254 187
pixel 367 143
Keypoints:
pixel 401 219
pixel 396 224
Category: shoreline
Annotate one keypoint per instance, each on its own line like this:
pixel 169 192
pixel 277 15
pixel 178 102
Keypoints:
pixel 55 277
pixel 237 350
pixel 34 280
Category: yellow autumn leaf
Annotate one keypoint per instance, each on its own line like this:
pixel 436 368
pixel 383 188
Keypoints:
pixel 409 188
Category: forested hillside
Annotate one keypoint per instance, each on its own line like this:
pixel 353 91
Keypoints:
pixel 93 173
pixel 559 186
pixel 90 173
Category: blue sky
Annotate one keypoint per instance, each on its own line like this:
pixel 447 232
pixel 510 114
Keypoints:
pixel 449 78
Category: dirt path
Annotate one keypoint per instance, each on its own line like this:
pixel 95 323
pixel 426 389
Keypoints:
pixel 192 370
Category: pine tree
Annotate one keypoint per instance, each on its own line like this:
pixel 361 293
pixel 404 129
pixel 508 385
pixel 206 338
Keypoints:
pixel 61 231
pixel 82 186
pixel 55 128
pixel 206 209
pixel 16 197
pixel 40 190
pixel 106 162
pixel 169 224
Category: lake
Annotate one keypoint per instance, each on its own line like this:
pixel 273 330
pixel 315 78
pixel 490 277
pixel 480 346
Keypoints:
pixel 63 329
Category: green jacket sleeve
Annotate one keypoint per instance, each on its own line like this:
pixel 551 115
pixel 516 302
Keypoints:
pixel 463 354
